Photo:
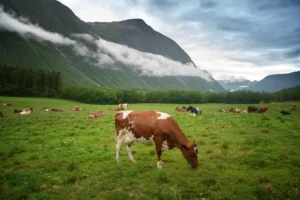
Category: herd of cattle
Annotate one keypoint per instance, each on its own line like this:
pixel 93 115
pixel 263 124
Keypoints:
pixel 92 115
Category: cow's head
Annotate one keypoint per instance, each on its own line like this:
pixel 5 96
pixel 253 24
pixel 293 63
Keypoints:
pixel 190 152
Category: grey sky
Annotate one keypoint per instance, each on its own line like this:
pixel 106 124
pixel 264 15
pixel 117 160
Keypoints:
pixel 248 38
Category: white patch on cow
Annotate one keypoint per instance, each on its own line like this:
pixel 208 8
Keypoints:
pixel 195 148
pixel 126 113
pixel 164 146
pixel 163 115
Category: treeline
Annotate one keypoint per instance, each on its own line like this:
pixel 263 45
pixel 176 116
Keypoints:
pixel 17 81
pixel 40 83
pixel 115 96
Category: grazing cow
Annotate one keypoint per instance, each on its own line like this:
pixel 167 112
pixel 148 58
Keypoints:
pixel 75 108
pixel 194 111
pixel 152 126
pixel 94 115
pixel 294 107
pixel 7 104
pixel 252 109
pixel 124 105
pixel 116 109
pixel 26 111
pixel 17 111
pixel 285 112
pixel 222 110
pixel 1 114
pixel 263 109
pixel 181 109
pixel 57 110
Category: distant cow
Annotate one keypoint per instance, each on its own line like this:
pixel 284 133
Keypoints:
pixel 222 110
pixel 294 107
pixel 94 115
pixel 124 105
pixel 154 126
pixel 7 104
pixel 180 109
pixel 243 111
pixel 194 110
pixel 1 114
pixel 75 108
pixel 26 111
pixel 263 109
pixel 252 109
pixel 234 110
pixel 285 112
pixel 57 109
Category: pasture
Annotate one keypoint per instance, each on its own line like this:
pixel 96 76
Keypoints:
pixel 65 155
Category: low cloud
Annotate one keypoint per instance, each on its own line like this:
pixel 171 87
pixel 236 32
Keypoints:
pixel 108 52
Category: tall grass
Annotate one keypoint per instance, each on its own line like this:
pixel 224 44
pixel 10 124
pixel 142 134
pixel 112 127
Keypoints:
pixel 48 155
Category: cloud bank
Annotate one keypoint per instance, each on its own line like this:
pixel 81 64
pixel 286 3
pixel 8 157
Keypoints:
pixel 220 36
pixel 108 52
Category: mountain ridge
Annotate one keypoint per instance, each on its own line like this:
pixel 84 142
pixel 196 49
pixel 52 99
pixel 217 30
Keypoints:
pixel 79 70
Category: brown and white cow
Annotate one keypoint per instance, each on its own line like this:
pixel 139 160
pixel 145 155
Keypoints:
pixel 57 110
pixel 154 126
pixel 222 110
pixel 75 108
pixel 94 115
pixel 26 111
pixel 7 104
pixel 124 106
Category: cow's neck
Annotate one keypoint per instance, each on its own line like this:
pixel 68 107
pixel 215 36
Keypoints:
pixel 179 140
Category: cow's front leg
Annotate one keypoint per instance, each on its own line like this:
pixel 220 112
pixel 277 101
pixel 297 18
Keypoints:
pixel 158 145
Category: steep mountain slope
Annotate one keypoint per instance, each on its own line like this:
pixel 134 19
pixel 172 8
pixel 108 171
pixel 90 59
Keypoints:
pixel 80 69
pixel 276 82
pixel 133 33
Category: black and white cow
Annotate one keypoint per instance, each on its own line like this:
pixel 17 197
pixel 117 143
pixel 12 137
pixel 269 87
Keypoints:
pixel 194 111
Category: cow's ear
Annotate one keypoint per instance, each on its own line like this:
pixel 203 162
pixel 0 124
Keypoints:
pixel 184 147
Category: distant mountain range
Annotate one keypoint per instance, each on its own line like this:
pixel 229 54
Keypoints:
pixel 271 83
pixel 125 54
pixel 276 82
pixel 236 84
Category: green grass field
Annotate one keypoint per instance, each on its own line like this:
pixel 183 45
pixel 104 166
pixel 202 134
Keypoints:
pixel 48 155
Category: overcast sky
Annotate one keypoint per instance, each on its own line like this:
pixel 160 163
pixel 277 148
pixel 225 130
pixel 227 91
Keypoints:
pixel 241 38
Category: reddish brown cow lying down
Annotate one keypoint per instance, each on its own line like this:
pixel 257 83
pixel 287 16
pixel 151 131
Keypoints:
pixel 181 109
pixel 142 126
pixel 7 104
pixel 94 115
pixel 57 109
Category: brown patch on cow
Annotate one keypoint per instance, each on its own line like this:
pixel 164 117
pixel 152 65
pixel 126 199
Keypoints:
pixel 181 109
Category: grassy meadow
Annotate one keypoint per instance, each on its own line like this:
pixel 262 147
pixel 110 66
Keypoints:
pixel 49 155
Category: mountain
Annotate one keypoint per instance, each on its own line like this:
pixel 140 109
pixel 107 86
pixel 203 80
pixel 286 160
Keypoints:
pixel 276 82
pixel 236 84
pixel 127 54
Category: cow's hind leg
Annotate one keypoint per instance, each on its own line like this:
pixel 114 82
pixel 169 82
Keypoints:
pixel 128 141
pixel 119 141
